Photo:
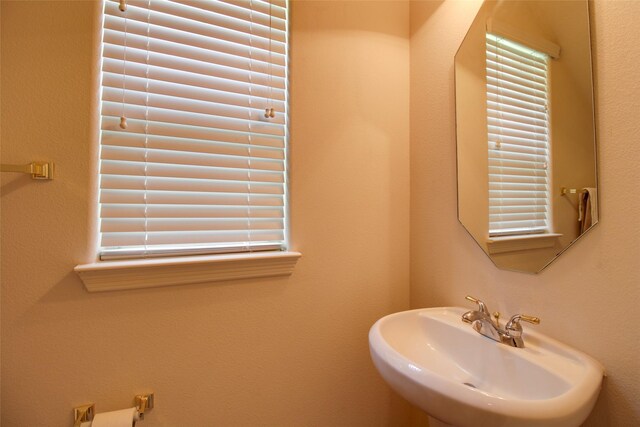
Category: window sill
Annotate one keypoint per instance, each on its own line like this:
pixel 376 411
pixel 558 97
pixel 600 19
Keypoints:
pixel 498 245
pixel 152 273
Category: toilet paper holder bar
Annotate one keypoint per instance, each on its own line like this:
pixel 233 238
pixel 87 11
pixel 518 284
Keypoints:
pixel 85 413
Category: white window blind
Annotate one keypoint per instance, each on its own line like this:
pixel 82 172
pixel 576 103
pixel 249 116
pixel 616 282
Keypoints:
pixel 198 169
pixel 518 138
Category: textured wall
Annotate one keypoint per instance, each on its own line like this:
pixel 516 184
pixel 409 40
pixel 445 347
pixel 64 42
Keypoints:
pixel 289 351
pixel 294 351
pixel 589 297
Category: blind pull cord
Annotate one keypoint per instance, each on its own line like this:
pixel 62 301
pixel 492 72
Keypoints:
pixel 146 134
pixel 248 199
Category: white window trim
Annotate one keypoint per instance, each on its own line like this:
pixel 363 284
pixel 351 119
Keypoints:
pixel 99 276
pixel 498 245
pixel 152 273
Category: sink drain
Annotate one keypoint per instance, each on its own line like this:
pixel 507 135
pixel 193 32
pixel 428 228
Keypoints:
pixel 469 385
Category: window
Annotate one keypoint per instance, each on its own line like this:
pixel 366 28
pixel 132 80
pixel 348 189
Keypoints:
pixel 193 128
pixel 518 138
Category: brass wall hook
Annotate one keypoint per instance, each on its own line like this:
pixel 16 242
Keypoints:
pixel 38 170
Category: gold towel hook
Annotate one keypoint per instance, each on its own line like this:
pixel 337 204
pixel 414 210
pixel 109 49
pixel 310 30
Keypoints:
pixel 38 170
pixel 564 191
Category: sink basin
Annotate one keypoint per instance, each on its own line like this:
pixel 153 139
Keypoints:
pixel 461 378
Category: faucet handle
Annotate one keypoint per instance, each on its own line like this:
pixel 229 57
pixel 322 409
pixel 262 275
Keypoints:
pixel 514 327
pixel 481 306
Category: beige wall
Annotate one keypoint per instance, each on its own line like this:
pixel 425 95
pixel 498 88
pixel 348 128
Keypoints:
pixel 589 297
pixel 471 130
pixel 572 156
pixel 294 351
pixel 256 352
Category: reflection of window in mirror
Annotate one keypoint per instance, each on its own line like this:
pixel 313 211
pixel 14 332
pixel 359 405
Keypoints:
pixel 518 139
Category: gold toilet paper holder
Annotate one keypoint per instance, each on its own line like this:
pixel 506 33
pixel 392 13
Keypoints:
pixel 85 413
pixel 143 403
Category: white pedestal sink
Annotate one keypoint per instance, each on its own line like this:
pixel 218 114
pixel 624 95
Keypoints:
pixel 440 364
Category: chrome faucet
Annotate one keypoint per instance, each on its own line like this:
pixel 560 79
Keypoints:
pixel 481 322
pixel 481 313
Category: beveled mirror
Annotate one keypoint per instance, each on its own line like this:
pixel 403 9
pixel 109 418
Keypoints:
pixel 525 129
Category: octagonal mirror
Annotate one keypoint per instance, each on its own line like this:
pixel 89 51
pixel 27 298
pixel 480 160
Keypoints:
pixel 526 151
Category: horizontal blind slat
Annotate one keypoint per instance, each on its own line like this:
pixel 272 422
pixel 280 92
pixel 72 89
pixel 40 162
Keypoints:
pixel 515 209
pixel 507 49
pixel 506 131
pixel 530 90
pixel 160 38
pixel 182 132
pixel 126 182
pixel 510 217
pixel 524 142
pixel 165 115
pixel 501 102
pixel 523 157
pixel 497 111
pixel 193 60
pixel 514 65
pixel 199 22
pixel 123 225
pixel 191 73
pixel 180 105
pixel 116 83
pixel 240 148
pixel 188 171
pixel 519 162
pixel 218 93
pixel 513 75
pixel 275 8
pixel 511 202
pixel 506 148
pixel 122 210
pixel 175 157
pixel 535 127
pixel 156 251
pixel 261 17
pixel 509 96
pixel 526 225
pixel 191 198
pixel 189 237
